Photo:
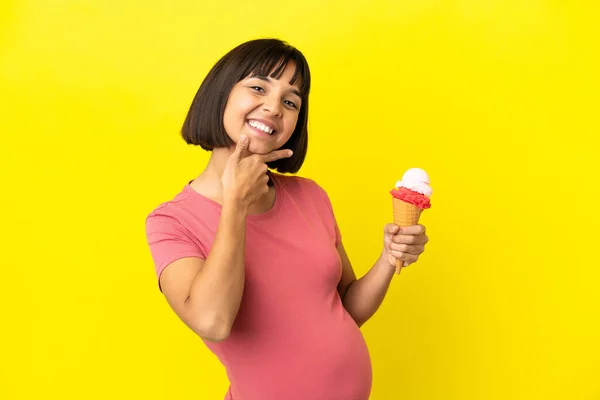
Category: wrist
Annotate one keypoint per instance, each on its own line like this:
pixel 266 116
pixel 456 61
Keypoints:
pixel 383 255
pixel 384 260
pixel 234 205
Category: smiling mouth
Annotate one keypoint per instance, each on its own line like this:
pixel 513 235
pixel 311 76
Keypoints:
pixel 262 127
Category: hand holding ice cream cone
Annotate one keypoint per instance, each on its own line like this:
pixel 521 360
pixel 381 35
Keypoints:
pixel 405 238
pixel 403 245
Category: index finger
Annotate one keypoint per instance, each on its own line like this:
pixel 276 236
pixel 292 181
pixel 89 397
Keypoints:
pixel 412 230
pixel 276 155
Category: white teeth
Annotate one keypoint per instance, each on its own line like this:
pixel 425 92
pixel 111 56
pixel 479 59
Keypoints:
pixel 262 127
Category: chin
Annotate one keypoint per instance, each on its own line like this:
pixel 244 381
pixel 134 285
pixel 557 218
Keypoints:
pixel 260 149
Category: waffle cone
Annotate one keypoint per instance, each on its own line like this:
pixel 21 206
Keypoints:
pixel 405 214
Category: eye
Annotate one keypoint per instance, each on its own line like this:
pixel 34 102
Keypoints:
pixel 257 88
pixel 291 104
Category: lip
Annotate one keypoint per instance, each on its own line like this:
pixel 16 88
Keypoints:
pixel 266 122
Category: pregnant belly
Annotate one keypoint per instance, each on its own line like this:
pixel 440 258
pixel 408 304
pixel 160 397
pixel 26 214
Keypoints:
pixel 330 362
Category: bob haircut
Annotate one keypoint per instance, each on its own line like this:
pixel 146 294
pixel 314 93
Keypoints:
pixel 203 125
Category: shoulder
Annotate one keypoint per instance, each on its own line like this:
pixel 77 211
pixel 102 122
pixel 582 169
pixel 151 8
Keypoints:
pixel 298 183
pixel 170 211
pixel 305 189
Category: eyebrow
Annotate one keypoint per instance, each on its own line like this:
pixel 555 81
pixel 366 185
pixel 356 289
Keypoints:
pixel 269 80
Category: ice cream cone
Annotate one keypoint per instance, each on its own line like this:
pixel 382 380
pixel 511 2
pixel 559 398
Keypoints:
pixel 410 198
pixel 405 214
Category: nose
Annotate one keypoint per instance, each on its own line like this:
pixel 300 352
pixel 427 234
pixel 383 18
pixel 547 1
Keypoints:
pixel 272 105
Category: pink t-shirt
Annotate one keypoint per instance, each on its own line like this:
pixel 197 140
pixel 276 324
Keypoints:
pixel 292 339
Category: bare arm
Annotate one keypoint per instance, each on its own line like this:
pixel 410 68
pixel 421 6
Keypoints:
pixel 206 294
pixel 362 297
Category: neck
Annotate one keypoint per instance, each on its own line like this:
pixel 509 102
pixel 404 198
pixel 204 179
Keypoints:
pixel 216 164
pixel 210 185
pixel 208 182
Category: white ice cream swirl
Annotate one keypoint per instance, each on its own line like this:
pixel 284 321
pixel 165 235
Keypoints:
pixel 417 180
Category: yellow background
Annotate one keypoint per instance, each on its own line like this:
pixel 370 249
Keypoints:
pixel 497 100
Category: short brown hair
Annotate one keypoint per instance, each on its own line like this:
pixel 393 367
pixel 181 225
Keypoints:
pixel 203 125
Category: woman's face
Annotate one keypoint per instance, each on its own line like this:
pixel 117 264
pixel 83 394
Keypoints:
pixel 265 109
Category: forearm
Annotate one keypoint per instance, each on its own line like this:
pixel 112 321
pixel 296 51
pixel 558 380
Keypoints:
pixel 216 291
pixel 365 295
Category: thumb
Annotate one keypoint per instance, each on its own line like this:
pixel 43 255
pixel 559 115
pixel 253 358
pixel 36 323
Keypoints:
pixel 391 229
pixel 242 145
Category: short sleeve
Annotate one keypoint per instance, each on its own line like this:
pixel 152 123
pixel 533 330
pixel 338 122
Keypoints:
pixel 169 241
pixel 327 201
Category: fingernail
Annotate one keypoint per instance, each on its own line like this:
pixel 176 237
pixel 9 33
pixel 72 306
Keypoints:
pixel 243 139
